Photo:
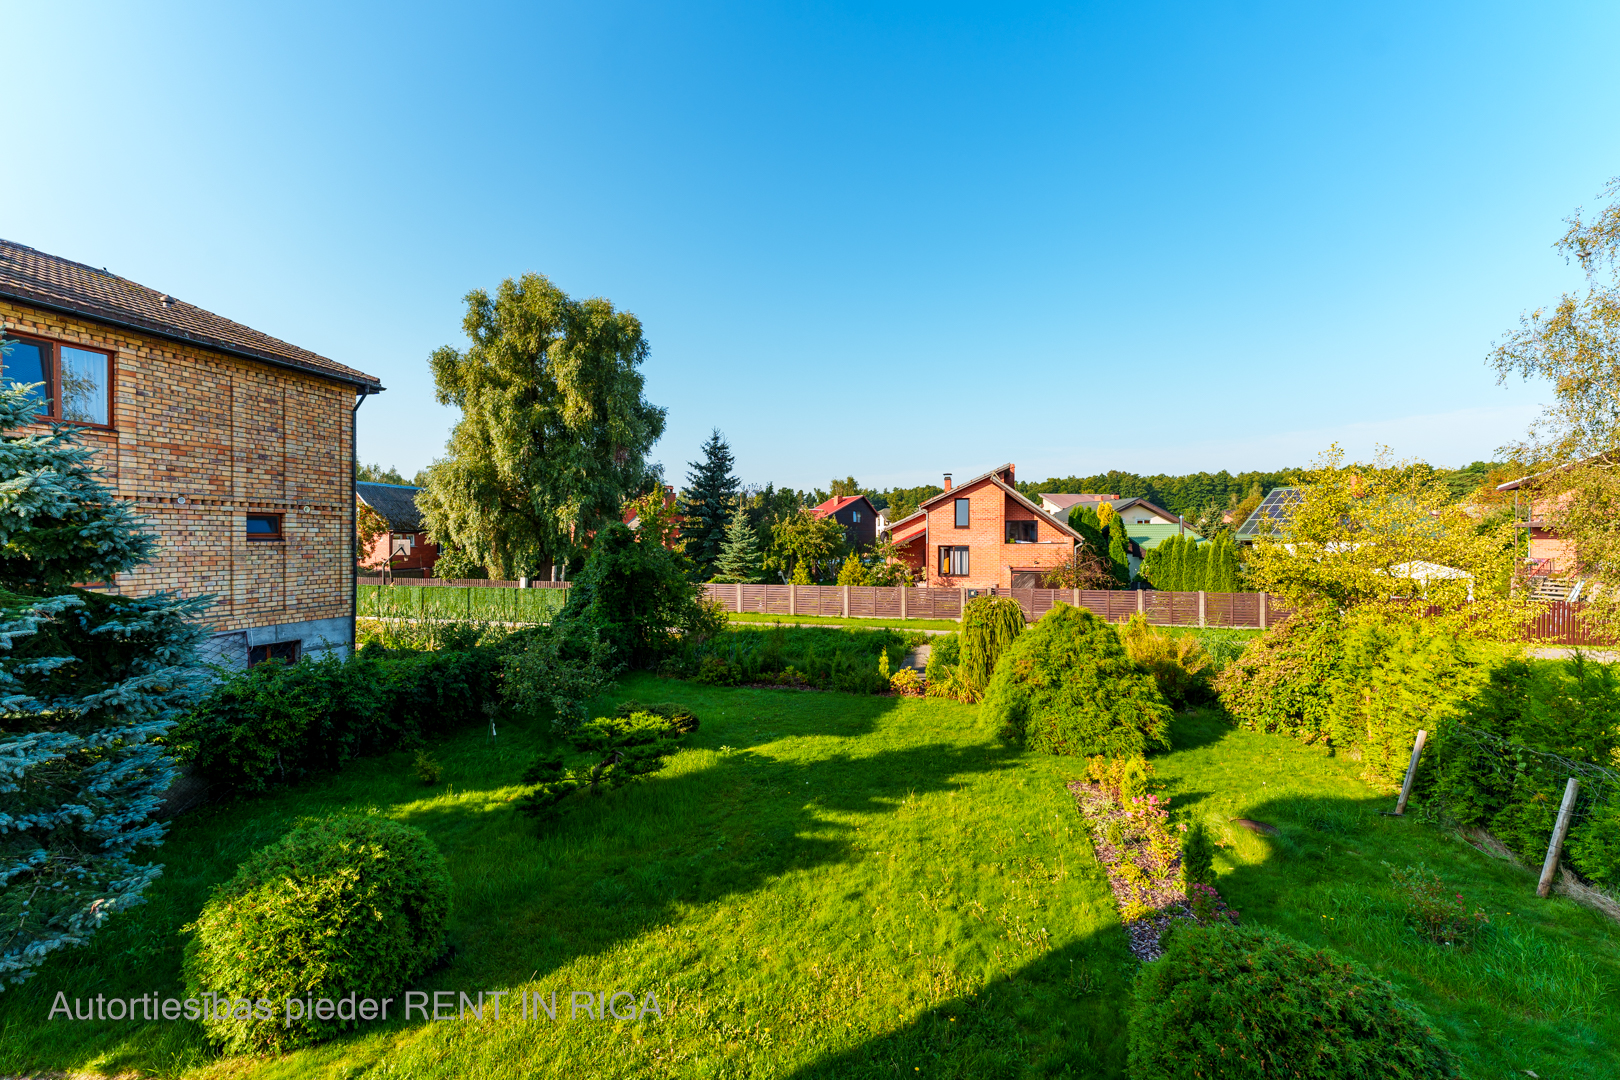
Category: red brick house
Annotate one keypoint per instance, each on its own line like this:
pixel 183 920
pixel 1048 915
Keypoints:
pixel 235 447
pixel 856 514
pixel 983 534
pixel 404 545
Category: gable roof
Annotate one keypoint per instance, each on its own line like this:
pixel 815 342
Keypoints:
pixel 838 502
pixel 994 476
pixel 394 503
pixel 1064 500
pixel 46 281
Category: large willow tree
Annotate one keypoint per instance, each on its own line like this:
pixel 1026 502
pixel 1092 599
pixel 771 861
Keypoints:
pixel 87 682
pixel 554 430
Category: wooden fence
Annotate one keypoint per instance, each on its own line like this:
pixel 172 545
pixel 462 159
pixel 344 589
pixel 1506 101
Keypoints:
pixel 1559 622
pixel 1253 611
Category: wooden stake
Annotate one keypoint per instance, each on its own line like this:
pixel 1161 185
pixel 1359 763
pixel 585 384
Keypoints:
pixel 1560 830
pixel 1411 771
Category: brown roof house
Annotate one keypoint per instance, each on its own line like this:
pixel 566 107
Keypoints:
pixel 237 448
pixel 983 534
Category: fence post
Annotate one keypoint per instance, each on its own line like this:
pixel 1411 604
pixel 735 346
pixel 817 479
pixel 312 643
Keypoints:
pixel 1077 598
pixel 846 601
pixel 1139 601
pixel 1560 830
pixel 1411 771
pixel 1200 609
pixel 961 603
pixel 1262 611
pixel 793 599
pixel 902 601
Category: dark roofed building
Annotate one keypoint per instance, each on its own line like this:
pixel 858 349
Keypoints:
pixel 403 548
pixel 856 514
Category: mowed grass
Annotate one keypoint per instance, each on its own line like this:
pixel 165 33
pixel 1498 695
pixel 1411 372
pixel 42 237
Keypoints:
pixel 828 885
pixel 817 873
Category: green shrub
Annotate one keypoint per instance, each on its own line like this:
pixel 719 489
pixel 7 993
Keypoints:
pixel 1227 1001
pixel 1178 661
pixel 989 625
pixel 636 597
pixel 427 770
pixel 1490 766
pixel 344 908
pixel 1197 855
pixel 1368 683
pixel 1067 687
pixel 618 750
pixel 1436 911
pixel 275 723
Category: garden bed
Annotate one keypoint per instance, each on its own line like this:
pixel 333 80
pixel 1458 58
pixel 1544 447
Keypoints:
pixel 1142 861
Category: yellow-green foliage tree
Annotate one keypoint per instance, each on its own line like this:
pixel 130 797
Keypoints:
pixel 805 546
pixel 1384 536
pixel 1576 346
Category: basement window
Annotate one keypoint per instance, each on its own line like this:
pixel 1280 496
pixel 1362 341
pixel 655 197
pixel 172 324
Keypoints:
pixel 264 527
pixel 285 651
pixel 76 381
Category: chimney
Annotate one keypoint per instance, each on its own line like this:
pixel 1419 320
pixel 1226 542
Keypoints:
pixel 947 481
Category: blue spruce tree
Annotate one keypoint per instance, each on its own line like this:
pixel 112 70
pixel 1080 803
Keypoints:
pixel 87 682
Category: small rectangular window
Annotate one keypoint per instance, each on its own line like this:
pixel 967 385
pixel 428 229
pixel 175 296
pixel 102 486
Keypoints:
pixel 953 561
pixel 855 515
pixel 77 382
pixel 264 526
pixel 284 651
pixel 962 520
pixel 1020 532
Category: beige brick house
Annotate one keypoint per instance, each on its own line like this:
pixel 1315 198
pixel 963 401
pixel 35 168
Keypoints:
pixel 237 448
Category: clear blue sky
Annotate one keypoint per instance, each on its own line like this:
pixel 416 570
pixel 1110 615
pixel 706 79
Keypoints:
pixel 887 240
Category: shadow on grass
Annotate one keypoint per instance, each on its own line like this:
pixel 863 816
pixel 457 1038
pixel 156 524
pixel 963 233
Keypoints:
pixel 770 797
pixel 1535 992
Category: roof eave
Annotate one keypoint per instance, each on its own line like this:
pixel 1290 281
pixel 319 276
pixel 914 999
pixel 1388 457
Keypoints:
pixel 359 381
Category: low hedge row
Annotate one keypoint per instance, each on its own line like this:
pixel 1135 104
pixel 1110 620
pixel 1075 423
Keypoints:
pixel 275 723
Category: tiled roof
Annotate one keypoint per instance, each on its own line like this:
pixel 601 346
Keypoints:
pixel 394 503
pixel 835 504
pixel 35 278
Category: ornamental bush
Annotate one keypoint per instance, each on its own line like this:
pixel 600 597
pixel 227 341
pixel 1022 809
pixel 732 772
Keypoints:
pixel 989 625
pixel 1067 687
pixel 1246 1002
pixel 275 723
pixel 343 909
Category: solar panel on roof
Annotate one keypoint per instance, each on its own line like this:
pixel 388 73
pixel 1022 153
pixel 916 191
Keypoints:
pixel 1276 509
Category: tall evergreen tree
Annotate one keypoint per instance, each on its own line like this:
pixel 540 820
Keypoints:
pixel 1119 549
pixel 1175 564
pixel 706 504
pixel 87 682
pixel 741 559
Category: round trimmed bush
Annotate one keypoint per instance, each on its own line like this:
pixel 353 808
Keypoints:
pixel 345 907
pixel 1066 686
pixel 1240 1001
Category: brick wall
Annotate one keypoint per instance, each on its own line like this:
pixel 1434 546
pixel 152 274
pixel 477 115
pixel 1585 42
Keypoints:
pixel 200 439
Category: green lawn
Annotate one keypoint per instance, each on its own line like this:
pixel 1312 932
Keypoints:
pixel 827 886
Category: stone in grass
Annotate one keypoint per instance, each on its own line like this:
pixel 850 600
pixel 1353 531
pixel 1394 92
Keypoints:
pixel 1241 1001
